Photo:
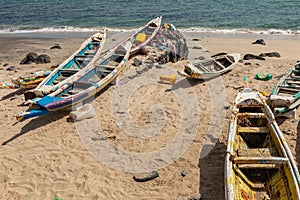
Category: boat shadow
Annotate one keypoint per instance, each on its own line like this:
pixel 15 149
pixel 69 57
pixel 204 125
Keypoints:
pixel 18 92
pixel 212 172
pixel 36 123
pixel 186 83
pixel 298 146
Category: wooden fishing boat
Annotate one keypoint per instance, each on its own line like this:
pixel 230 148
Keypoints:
pixel 143 35
pixel 89 52
pixel 285 96
pixel 211 67
pixel 84 85
pixel 259 163
pixel 32 80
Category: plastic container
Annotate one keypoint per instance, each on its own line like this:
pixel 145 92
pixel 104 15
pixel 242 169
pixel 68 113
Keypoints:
pixel 263 77
pixel 84 112
pixel 171 79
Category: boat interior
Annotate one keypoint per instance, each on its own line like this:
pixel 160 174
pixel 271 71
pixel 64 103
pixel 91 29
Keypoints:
pixel 80 61
pixel 103 69
pixel 291 85
pixel 212 65
pixel 260 168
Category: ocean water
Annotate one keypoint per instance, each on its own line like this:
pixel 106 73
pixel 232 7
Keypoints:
pixel 56 15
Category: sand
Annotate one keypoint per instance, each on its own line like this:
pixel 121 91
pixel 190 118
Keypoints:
pixel 50 157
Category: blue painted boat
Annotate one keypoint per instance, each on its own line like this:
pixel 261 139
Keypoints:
pixel 84 84
pixel 89 52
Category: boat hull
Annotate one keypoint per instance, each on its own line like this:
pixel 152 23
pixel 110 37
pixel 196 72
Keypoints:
pixel 210 68
pixel 258 162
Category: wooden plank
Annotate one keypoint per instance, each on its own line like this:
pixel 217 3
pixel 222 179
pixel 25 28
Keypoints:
pixel 266 152
pixel 262 129
pixel 289 89
pixel 69 70
pixel 106 66
pixel 260 160
pixel 289 86
pixel 245 179
pixel 90 52
pixel 293 82
pixel 103 70
pixel 251 115
pixel 253 166
pixel 84 58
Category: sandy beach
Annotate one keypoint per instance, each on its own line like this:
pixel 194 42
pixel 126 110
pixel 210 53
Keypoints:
pixel 50 157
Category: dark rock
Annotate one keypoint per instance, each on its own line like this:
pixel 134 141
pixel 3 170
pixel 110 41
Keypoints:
pixel 196 39
pixel 247 63
pixel 30 57
pixel 158 66
pixel 201 58
pixel 295 121
pixel 1 68
pixel 271 54
pixel 149 177
pixel 198 197
pixel 226 107
pixel 137 62
pixel 11 68
pixel 259 41
pixel 251 56
pixel 287 132
pixel 184 172
pixel 195 47
pixel 56 46
pixel 5 64
pixel 219 54
pixel 241 61
pixel 42 59
pixel 113 39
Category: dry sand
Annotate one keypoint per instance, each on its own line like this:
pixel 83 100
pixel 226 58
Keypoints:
pixel 45 158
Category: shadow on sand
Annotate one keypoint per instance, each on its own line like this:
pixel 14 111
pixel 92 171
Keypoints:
pixel 12 94
pixel 183 83
pixel 212 173
pixel 36 123
pixel 49 118
pixel 298 145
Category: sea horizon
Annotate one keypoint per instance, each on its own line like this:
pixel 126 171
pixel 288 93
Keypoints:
pixel 236 16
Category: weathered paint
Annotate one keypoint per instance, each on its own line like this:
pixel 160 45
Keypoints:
pixel 285 183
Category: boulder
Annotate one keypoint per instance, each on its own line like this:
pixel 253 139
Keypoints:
pixel 259 41
pixel 137 62
pixel 56 46
pixel 201 58
pixel 11 68
pixel 30 57
pixel 270 54
pixel 219 54
pixel 251 56
pixel 195 47
pixel 43 58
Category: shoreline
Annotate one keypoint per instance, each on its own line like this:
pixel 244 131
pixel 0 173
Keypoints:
pixel 187 35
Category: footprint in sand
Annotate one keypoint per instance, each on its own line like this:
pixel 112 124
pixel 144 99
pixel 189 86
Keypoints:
pixel 23 188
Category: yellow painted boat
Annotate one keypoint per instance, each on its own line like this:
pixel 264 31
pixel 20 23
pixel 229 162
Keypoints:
pixel 259 163
pixel 31 81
